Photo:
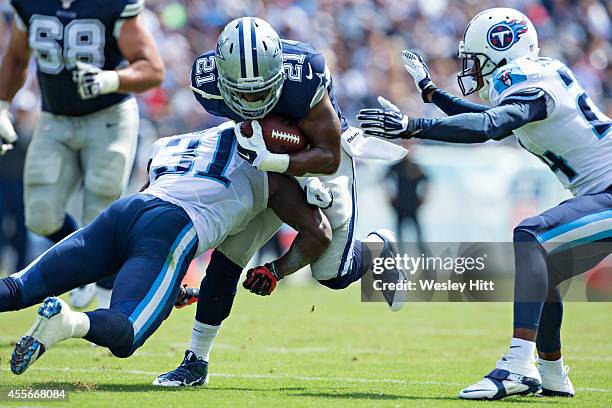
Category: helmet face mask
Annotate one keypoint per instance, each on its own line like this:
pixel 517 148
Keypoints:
pixel 250 67
pixel 476 68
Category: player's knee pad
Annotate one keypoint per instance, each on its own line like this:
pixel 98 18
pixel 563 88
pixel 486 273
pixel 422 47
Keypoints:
pixel 42 217
pixel 106 174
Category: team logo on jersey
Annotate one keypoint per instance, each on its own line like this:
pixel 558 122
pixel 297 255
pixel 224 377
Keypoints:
pixel 505 34
pixel 506 78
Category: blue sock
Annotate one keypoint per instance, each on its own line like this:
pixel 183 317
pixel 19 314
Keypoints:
pixel 530 281
pixel 217 290
pixel 70 225
pixel 549 331
pixel 10 295
pixel 362 260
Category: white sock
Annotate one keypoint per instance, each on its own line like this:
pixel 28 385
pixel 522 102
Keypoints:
pixel 80 324
pixel 372 237
pixel 202 338
pixel 523 350
pixel 104 297
pixel 551 366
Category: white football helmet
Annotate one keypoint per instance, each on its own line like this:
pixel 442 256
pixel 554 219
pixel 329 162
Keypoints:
pixel 249 60
pixel 493 38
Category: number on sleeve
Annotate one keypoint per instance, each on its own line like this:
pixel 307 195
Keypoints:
pixel 597 120
pixel 204 70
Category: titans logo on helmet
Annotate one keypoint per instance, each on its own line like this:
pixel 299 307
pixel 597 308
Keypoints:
pixel 505 34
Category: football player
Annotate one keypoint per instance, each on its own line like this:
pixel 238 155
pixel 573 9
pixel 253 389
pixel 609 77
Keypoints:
pixel 90 58
pixel 540 101
pixel 252 73
pixel 199 192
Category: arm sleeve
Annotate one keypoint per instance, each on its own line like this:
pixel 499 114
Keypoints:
pixel 451 105
pixel 494 123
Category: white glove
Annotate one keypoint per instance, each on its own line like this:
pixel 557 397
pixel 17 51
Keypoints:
pixel 253 149
pixel 7 132
pixel 388 122
pixel 316 192
pixel 92 82
pixel 414 64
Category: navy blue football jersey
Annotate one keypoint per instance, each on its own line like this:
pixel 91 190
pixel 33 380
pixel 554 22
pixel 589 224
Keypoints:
pixel 62 32
pixel 307 79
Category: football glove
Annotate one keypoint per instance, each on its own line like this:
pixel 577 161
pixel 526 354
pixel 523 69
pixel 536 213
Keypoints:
pixel 253 149
pixel 262 279
pixel 186 296
pixel 414 64
pixel 92 82
pixel 8 137
pixel 316 192
pixel 387 123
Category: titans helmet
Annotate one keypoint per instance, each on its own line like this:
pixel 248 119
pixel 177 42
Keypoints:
pixel 250 65
pixel 493 38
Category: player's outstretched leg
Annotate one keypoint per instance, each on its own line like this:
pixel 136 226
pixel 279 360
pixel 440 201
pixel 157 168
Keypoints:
pixel 55 323
pixel 350 266
pixel 396 298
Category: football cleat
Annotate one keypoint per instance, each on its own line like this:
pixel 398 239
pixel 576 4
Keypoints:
pixel 555 380
pixel 192 372
pixel 395 298
pixel 82 296
pixel 51 326
pixel 510 377
pixel 186 296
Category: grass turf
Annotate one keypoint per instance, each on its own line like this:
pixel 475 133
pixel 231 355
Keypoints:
pixel 310 346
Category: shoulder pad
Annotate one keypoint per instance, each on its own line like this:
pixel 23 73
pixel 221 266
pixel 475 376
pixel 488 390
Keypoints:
pixel 130 8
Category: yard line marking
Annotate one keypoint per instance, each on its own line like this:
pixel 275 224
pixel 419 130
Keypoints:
pixel 276 377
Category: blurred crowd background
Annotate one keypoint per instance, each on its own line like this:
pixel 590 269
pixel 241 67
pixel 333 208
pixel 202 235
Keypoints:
pixel 361 41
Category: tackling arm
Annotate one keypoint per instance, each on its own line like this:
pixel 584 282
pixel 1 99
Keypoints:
pixel 314 231
pixel 494 123
pixel 452 105
pixel 314 235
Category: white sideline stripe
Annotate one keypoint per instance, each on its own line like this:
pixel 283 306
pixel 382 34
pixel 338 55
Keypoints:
pixel 277 377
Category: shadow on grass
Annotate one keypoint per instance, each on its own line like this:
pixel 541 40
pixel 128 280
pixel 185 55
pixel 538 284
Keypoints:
pixel 291 392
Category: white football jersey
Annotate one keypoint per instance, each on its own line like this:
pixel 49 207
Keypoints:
pixel 574 140
pixel 201 173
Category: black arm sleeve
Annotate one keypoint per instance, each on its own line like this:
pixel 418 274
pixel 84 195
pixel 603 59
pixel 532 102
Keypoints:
pixel 494 123
pixel 451 105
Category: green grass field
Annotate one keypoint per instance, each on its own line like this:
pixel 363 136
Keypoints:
pixel 309 346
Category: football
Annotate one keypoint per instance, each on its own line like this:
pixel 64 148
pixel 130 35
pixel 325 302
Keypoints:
pixel 280 134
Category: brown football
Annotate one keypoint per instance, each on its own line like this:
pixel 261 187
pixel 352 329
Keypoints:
pixel 280 135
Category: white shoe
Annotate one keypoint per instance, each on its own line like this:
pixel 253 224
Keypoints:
pixel 555 379
pixel 55 322
pixel 396 298
pixel 82 297
pixel 510 377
